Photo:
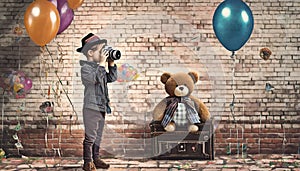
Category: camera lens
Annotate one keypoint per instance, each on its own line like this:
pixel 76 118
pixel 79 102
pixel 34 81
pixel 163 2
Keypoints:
pixel 115 54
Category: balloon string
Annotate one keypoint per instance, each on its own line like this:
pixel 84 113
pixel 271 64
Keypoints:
pixel 47 72
pixel 260 115
pixel 232 104
pixel 233 55
pixel 50 55
pixel 67 96
pixel 46 132
pixel 73 108
pixel 59 48
pixel 19 53
pixel 2 121
pixel 284 141
pixel 73 55
pixel 40 72
pixel 124 89
pixel 60 130
pixel 62 86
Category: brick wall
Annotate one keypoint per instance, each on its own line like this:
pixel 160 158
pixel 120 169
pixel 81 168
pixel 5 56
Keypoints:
pixel 156 36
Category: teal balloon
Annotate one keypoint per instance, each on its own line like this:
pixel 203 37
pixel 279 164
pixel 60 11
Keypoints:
pixel 233 24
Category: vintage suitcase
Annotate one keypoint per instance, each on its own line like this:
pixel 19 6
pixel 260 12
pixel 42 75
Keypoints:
pixel 181 144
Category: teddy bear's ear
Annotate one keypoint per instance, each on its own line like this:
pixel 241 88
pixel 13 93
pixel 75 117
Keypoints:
pixel 194 76
pixel 164 77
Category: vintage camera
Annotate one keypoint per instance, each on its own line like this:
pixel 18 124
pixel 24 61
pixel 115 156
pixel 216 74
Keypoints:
pixel 112 53
pixel 47 107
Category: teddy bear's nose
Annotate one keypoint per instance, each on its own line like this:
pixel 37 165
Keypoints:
pixel 181 88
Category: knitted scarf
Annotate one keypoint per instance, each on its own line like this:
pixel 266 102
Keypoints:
pixel 172 104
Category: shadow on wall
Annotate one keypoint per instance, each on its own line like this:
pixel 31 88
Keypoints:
pixel 18 54
pixel 16 48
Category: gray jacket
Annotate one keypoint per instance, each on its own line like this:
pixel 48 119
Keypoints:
pixel 95 79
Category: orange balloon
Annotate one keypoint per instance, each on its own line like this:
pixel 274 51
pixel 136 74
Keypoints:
pixel 42 21
pixel 73 4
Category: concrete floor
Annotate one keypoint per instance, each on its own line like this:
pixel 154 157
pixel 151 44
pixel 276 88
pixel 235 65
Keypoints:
pixel 222 163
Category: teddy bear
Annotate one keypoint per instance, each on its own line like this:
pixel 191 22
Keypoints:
pixel 180 107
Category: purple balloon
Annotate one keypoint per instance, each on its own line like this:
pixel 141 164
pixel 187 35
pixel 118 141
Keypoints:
pixel 54 2
pixel 66 15
pixel 27 84
pixel 22 80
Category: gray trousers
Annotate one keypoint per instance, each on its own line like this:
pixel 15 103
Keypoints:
pixel 93 124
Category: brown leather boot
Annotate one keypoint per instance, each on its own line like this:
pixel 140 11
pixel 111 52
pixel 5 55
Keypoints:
pixel 90 166
pixel 100 164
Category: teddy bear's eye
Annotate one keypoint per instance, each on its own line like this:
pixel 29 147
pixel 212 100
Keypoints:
pixel 176 85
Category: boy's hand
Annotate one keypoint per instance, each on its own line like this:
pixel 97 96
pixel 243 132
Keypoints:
pixel 103 57
pixel 110 62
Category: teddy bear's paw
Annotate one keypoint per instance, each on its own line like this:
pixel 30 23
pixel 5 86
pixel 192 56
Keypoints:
pixel 170 128
pixel 193 128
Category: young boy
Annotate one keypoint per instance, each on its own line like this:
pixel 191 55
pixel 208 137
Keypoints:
pixel 96 101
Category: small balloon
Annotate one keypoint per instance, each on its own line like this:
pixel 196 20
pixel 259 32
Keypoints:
pixel 22 80
pixel 233 24
pixel 269 87
pixel 265 53
pixel 2 153
pixel 18 30
pixel 66 15
pixel 136 76
pixel 16 79
pixel 28 84
pixel 73 4
pixel 126 73
pixel 18 87
pixel 18 127
pixel 11 79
